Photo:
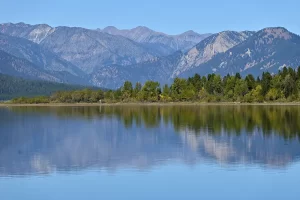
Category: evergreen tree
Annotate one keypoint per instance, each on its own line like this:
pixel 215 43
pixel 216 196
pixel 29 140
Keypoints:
pixel 197 82
pixel 266 82
pixel 238 76
pixel 298 73
pixel 127 90
pixel 250 81
pixel 289 86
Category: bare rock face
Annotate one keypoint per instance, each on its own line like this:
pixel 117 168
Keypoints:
pixel 34 33
pixel 40 32
pixel 91 50
pixel 178 63
pixel 267 50
pixel 208 48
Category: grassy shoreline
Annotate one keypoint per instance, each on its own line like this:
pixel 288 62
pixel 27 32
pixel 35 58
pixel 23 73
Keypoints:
pixel 150 104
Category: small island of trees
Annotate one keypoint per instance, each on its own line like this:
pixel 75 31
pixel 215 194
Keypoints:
pixel 281 87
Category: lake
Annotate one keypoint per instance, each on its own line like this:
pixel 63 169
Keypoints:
pixel 150 152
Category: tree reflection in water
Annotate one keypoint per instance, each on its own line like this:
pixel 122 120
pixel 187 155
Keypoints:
pixel 45 139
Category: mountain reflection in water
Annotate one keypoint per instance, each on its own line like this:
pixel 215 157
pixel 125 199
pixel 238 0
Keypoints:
pixel 42 140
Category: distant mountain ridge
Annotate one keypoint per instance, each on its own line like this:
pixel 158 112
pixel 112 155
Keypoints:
pixel 34 33
pixel 108 57
pixel 245 52
pixel 36 54
pixel 269 49
pixel 161 42
pixel 14 66
pixel 87 49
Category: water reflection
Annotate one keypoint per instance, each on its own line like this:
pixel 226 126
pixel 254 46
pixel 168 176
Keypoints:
pixel 41 140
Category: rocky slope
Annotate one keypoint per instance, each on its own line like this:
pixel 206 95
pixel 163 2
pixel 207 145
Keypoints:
pixel 20 67
pixel 92 50
pixel 37 55
pixel 160 42
pixel 15 66
pixel 114 76
pixel 34 33
pixel 166 68
pixel 208 48
pixel 267 50
pixel 87 49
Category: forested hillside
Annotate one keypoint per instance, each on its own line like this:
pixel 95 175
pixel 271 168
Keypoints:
pixel 11 87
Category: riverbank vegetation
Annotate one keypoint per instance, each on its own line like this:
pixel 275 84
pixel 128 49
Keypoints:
pixel 281 87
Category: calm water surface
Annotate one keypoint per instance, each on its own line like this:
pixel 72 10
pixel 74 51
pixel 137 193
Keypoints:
pixel 150 152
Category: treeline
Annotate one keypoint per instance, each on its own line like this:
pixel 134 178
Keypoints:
pixel 281 87
pixel 12 87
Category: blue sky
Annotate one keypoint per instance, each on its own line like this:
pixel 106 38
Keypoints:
pixel 170 16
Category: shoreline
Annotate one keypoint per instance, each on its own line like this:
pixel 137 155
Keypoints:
pixel 151 104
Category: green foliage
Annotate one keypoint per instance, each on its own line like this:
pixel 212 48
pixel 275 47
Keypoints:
pixel 255 95
pixel 289 86
pixel 276 82
pixel 150 92
pixel 34 100
pixel 196 82
pixel 284 86
pixel 274 94
pixel 250 80
pixel 166 92
pixel 298 73
pixel 127 91
pixel 137 89
pixel 266 82
pixel 12 87
pixel 241 88
pixel 182 90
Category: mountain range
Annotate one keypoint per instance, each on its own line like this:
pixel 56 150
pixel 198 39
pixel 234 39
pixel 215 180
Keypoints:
pixel 108 57
pixel 160 42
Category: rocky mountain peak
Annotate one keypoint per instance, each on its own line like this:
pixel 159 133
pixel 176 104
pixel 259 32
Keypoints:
pixel 159 42
pixel 40 32
pixel 191 36
pixel 278 32
pixel 267 50
pixel 35 33
pixel 221 42
pixel 189 32
pixel 20 24
pixel 110 30
pixel 143 29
